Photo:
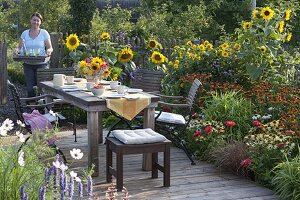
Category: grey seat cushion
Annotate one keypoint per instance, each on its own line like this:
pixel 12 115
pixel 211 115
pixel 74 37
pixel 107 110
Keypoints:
pixel 138 136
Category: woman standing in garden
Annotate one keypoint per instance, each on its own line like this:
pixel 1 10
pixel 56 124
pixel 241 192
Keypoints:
pixel 34 41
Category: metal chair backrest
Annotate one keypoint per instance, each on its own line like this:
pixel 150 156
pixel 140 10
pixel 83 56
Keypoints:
pixel 16 99
pixel 190 100
pixel 147 80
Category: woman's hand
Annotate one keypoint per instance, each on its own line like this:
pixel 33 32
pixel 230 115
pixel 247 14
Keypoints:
pixel 48 52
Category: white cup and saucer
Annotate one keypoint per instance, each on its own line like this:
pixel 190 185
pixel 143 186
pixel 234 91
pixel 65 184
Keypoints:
pixel 70 80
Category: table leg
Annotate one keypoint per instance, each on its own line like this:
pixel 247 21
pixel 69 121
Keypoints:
pixel 100 130
pixel 149 122
pixel 93 134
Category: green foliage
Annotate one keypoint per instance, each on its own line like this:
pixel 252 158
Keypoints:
pixel 13 176
pixel 286 179
pixel 15 72
pixel 81 15
pixel 230 106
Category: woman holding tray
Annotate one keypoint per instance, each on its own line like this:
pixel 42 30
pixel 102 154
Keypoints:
pixel 34 42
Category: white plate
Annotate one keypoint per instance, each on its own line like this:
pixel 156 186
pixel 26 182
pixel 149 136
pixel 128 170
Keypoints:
pixel 78 79
pixel 115 96
pixel 70 83
pixel 134 90
pixel 69 87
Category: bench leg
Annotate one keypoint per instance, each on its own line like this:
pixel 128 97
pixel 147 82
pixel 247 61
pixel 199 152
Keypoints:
pixel 167 166
pixel 154 165
pixel 108 163
pixel 119 171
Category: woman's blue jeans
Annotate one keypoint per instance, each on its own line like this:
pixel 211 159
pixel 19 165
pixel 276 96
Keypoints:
pixel 30 73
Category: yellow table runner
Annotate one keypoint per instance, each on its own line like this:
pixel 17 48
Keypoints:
pixel 128 108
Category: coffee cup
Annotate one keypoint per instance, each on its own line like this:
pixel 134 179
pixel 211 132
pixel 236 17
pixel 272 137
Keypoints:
pixel 70 79
pixel 121 89
pixel 58 80
pixel 114 84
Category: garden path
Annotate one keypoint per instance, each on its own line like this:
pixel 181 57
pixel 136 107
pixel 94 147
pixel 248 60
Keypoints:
pixel 201 181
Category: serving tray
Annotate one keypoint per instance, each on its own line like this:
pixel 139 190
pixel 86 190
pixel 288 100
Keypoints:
pixel 31 58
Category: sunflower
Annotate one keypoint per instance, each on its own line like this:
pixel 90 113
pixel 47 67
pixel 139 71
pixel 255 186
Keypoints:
pixel 281 26
pixel 87 71
pixel 287 14
pixel 247 25
pixel 125 55
pixel 201 47
pixel 210 46
pixel 236 46
pixel 152 44
pixel 83 64
pixel 175 66
pixel 176 62
pixel 189 43
pixel 98 60
pixel 267 13
pixel 224 46
pixel 104 36
pixel 115 77
pixel 106 73
pixel 254 14
pixel 95 67
pixel 194 47
pixel 225 54
pixel 72 42
pixel 289 37
pixel 263 49
pixel 157 57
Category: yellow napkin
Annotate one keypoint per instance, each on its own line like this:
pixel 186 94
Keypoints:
pixel 128 108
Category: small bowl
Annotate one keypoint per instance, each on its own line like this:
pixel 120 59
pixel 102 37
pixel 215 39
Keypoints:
pixel 97 92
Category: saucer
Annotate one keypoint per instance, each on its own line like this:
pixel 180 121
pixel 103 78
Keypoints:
pixel 70 83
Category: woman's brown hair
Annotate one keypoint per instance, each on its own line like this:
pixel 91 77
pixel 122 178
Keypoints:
pixel 36 14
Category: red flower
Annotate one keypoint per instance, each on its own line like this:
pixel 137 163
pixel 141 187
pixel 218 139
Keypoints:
pixel 208 130
pixel 197 133
pixel 246 163
pixel 280 145
pixel 257 123
pixel 166 109
pixel 230 123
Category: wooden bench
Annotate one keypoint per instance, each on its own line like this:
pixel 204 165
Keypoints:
pixel 120 149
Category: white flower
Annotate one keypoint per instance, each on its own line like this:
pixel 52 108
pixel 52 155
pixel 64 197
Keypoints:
pixel 63 167
pixel 21 137
pixel 56 164
pixel 76 154
pixel 73 174
pixel 18 133
pixel 266 117
pixel 256 117
pixel 77 179
pixel 8 125
pixel 3 131
pixel 21 159
pixel 271 108
pixel 52 113
pixel 20 123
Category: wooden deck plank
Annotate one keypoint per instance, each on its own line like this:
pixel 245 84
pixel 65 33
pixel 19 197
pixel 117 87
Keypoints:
pixel 201 181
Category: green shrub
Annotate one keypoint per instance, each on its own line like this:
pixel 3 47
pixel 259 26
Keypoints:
pixel 287 179
pixel 15 72
pixel 230 106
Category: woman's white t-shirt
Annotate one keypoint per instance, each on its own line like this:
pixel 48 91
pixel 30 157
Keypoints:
pixel 32 45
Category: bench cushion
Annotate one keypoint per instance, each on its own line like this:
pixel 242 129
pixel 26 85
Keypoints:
pixel 171 118
pixel 138 136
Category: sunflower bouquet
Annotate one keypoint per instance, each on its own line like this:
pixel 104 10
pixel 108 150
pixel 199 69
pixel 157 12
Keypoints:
pixel 93 67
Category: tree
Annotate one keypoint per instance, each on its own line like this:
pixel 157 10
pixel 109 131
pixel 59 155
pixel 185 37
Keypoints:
pixel 81 15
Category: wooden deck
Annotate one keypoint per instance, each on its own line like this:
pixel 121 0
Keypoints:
pixel 201 181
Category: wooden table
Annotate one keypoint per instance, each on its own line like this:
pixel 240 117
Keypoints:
pixel 94 107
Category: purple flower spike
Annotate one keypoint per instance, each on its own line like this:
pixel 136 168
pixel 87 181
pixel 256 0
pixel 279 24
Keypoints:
pixel 22 192
pixel 71 187
pixel 62 183
pixel 90 186
pixel 25 197
pixel 80 189
pixel 42 193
